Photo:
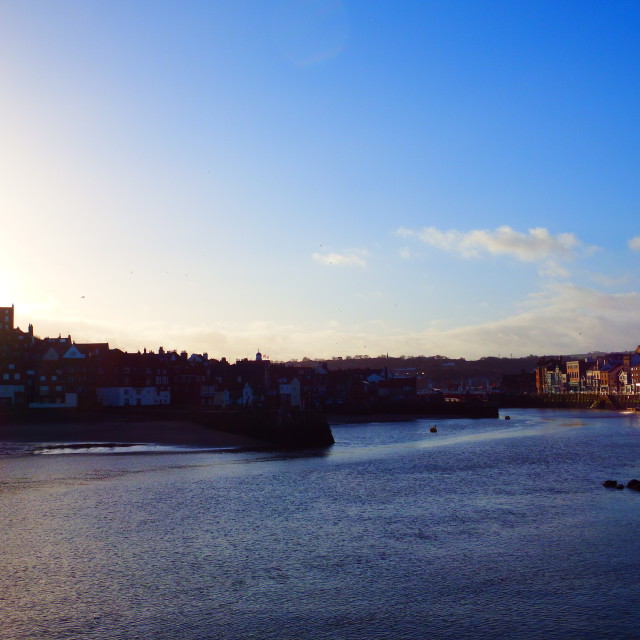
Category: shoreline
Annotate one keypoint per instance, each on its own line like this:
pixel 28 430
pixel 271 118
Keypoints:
pixel 162 432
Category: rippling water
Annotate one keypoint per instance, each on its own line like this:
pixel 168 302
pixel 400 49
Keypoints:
pixel 486 529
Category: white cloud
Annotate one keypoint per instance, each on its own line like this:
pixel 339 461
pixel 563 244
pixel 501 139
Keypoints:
pixel 405 253
pixel 634 243
pixel 537 245
pixel 353 258
pixel 562 318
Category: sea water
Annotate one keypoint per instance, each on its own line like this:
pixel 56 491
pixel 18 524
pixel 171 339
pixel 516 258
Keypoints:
pixel 485 529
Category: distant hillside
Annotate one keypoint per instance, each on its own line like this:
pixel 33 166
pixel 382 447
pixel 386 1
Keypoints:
pixel 437 367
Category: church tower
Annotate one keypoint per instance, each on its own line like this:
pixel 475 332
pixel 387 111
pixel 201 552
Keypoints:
pixel 6 318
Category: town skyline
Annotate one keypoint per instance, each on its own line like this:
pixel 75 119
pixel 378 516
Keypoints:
pixel 60 373
pixel 323 177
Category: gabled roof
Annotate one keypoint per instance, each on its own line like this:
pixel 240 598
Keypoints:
pixel 73 353
pixel 53 351
pixel 288 378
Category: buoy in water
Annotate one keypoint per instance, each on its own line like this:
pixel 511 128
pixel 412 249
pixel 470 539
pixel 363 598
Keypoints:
pixel 433 429
pixel 507 417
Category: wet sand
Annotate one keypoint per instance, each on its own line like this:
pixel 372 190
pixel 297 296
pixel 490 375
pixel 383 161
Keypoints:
pixel 149 432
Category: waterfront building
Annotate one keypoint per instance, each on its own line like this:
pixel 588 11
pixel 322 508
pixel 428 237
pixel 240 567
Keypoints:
pixel 577 374
pixel 550 374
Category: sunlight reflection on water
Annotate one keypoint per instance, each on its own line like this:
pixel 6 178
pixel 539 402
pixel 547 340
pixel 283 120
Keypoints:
pixel 105 448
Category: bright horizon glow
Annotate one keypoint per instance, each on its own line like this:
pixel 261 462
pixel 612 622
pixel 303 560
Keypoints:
pixel 322 177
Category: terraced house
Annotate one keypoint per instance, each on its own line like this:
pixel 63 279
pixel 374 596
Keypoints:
pixel 613 373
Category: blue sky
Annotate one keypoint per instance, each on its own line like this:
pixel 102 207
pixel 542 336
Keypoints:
pixel 323 177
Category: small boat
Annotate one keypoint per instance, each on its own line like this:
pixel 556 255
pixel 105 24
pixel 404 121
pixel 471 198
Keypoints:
pixel 433 429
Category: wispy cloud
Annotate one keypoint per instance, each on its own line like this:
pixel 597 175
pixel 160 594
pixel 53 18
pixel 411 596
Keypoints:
pixel 353 258
pixel 537 245
pixel 562 318
pixel 552 269
pixel 608 281
pixel 634 243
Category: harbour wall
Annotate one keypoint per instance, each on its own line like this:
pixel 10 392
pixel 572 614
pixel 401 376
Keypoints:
pixel 570 400
pixel 285 428
pixel 281 428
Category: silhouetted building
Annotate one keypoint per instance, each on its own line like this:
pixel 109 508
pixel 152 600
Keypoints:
pixel 6 318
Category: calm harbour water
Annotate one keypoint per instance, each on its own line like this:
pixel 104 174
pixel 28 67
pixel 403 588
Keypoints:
pixel 486 529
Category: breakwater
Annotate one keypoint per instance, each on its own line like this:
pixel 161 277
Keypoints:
pixel 280 428
pixel 285 428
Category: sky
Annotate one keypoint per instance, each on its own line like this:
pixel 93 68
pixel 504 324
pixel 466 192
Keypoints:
pixel 318 178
